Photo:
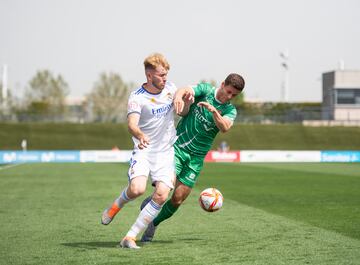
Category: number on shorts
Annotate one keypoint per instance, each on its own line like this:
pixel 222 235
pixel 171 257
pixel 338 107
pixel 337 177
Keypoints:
pixel 132 163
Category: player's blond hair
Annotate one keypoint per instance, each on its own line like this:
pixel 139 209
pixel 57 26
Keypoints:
pixel 154 60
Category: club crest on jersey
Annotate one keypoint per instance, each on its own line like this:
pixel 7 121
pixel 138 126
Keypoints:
pixel 133 105
pixel 152 100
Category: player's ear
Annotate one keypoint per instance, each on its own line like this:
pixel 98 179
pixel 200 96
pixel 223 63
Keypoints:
pixel 148 74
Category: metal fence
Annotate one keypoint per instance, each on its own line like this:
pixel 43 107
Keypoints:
pixel 273 117
pixel 290 116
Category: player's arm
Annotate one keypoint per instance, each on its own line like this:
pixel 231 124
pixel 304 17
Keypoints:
pixel 183 99
pixel 133 127
pixel 223 123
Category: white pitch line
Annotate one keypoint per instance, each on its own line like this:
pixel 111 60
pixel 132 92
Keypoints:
pixel 10 166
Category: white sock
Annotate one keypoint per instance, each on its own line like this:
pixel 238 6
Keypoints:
pixel 145 217
pixel 122 199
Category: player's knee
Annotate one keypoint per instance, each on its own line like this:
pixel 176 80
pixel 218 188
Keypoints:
pixel 139 192
pixel 136 191
pixel 160 197
pixel 177 200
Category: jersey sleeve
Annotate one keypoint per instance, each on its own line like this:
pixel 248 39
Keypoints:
pixel 230 113
pixel 202 89
pixel 134 104
pixel 172 88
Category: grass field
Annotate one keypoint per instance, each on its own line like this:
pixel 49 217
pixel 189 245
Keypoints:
pixel 272 214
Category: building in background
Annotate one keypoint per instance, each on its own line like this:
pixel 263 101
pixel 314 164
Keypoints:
pixel 341 95
pixel 76 110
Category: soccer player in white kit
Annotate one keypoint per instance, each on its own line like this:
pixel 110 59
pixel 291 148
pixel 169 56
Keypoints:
pixel 151 123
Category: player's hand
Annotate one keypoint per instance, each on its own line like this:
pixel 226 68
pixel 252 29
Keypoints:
pixel 207 106
pixel 178 105
pixel 144 141
pixel 188 98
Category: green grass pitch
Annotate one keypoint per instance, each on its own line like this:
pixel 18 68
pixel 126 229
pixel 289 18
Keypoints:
pixel 300 213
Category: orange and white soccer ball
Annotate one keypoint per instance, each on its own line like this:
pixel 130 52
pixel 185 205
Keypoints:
pixel 211 199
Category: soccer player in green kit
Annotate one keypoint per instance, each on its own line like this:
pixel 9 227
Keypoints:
pixel 205 111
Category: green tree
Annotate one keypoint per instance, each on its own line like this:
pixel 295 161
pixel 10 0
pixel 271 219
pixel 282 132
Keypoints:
pixel 108 98
pixel 8 105
pixel 46 94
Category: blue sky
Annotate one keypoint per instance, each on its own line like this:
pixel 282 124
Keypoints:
pixel 202 39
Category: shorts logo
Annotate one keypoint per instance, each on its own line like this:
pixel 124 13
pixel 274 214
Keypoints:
pixel 192 176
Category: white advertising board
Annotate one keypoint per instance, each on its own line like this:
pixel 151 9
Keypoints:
pixel 279 156
pixel 105 156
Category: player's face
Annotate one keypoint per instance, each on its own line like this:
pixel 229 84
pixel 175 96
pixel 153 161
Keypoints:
pixel 226 93
pixel 158 77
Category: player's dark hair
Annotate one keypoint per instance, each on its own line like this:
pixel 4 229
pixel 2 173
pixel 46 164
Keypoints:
pixel 236 81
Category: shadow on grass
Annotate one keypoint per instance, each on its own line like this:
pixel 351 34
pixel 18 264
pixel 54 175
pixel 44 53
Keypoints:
pixel 92 245
pixel 115 244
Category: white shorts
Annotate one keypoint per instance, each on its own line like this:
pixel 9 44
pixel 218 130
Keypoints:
pixel 160 166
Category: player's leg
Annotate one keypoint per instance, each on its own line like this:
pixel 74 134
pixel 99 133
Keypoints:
pixel 170 165
pixel 136 188
pixel 147 215
pixel 187 170
pixel 180 193
pixel 109 213
pixel 145 201
pixel 162 174
pixel 137 174
pixel 150 211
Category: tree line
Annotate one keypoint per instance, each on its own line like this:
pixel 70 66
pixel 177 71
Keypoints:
pixel 45 100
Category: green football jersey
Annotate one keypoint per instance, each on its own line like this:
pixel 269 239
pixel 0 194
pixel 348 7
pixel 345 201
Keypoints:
pixel 197 130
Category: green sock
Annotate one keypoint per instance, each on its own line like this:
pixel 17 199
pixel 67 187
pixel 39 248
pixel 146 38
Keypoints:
pixel 166 212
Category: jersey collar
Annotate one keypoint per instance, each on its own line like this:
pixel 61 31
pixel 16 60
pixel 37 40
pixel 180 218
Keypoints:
pixel 215 93
pixel 143 86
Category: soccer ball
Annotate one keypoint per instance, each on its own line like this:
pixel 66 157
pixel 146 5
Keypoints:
pixel 211 199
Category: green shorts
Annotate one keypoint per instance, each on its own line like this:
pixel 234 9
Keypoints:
pixel 187 166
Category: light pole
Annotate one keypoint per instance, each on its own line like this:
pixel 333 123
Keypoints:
pixel 285 83
pixel 4 92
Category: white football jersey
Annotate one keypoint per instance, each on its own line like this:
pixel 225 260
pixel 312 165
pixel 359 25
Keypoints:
pixel 156 116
